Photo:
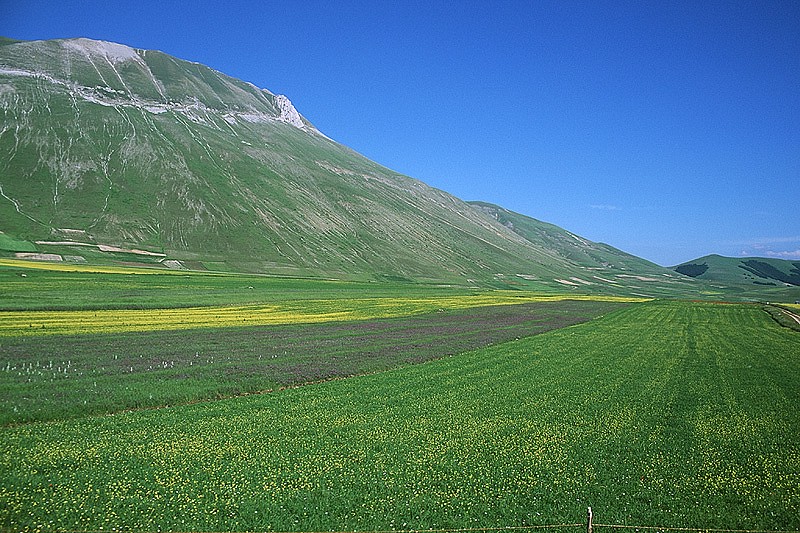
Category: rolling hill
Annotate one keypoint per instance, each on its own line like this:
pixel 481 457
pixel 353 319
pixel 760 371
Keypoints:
pixel 115 154
pixel 761 272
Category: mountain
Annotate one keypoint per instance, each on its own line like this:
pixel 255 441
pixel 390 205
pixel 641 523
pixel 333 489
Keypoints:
pixel 571 247
pixel 752 272
pixel 110 153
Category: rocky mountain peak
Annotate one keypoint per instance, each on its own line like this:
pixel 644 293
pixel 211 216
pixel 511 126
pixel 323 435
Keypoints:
pixel 115 75
pixel 114 52
pixel 287 112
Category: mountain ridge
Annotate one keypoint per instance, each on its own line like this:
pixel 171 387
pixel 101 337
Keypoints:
pixel 114 90
pixel 111 153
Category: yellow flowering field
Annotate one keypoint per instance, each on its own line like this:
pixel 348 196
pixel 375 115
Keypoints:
pixel 16 323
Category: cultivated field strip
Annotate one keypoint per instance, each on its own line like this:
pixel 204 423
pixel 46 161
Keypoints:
pixel 24 323
pixel 672 413
pixel 52 377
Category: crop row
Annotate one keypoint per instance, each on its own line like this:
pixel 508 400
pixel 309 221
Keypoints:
pixel 668 414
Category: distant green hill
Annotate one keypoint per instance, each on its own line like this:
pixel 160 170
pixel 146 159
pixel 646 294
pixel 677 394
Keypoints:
pixel 765 275
pixel 115 154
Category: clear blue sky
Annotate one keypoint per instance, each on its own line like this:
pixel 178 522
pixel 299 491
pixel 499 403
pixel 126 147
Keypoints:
pixel 669 129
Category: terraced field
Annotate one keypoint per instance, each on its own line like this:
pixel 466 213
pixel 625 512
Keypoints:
pixel 660 413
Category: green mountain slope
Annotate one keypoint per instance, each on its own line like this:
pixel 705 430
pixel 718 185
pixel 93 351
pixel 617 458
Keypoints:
pixel 572 247
pixel 104 144
pixel 109 153
pixel 595 266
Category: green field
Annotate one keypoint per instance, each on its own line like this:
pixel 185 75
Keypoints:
pixel 659 413
pixel 29 285
pixel 48 376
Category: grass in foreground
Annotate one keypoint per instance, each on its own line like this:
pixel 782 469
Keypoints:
pixel 663 413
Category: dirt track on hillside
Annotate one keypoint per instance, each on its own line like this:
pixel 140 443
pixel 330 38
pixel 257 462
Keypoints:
pixel 791 315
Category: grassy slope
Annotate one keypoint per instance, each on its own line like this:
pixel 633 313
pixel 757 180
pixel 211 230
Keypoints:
pixel 726 277
pixel 748 276
pixel 666 413
pixel 174 162
pixel 577 249
pixel 597 267
pixel 203 183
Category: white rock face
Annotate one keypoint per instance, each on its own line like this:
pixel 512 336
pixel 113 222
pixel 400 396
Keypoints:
pixel 114 52
pixel 108 54
pixel 287 112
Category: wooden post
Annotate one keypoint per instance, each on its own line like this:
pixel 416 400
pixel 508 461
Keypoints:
pixel 589 521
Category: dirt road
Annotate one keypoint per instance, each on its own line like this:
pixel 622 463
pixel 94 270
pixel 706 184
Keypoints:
pixel 791 315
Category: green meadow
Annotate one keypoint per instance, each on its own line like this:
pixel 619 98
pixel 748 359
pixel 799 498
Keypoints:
pixel 54 376
pixel 660 413
pixel 29 285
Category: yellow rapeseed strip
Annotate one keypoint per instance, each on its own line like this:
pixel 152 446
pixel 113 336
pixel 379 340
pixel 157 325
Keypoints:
pixel 24 323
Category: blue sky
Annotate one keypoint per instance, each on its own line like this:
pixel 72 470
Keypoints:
pixel 669 129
